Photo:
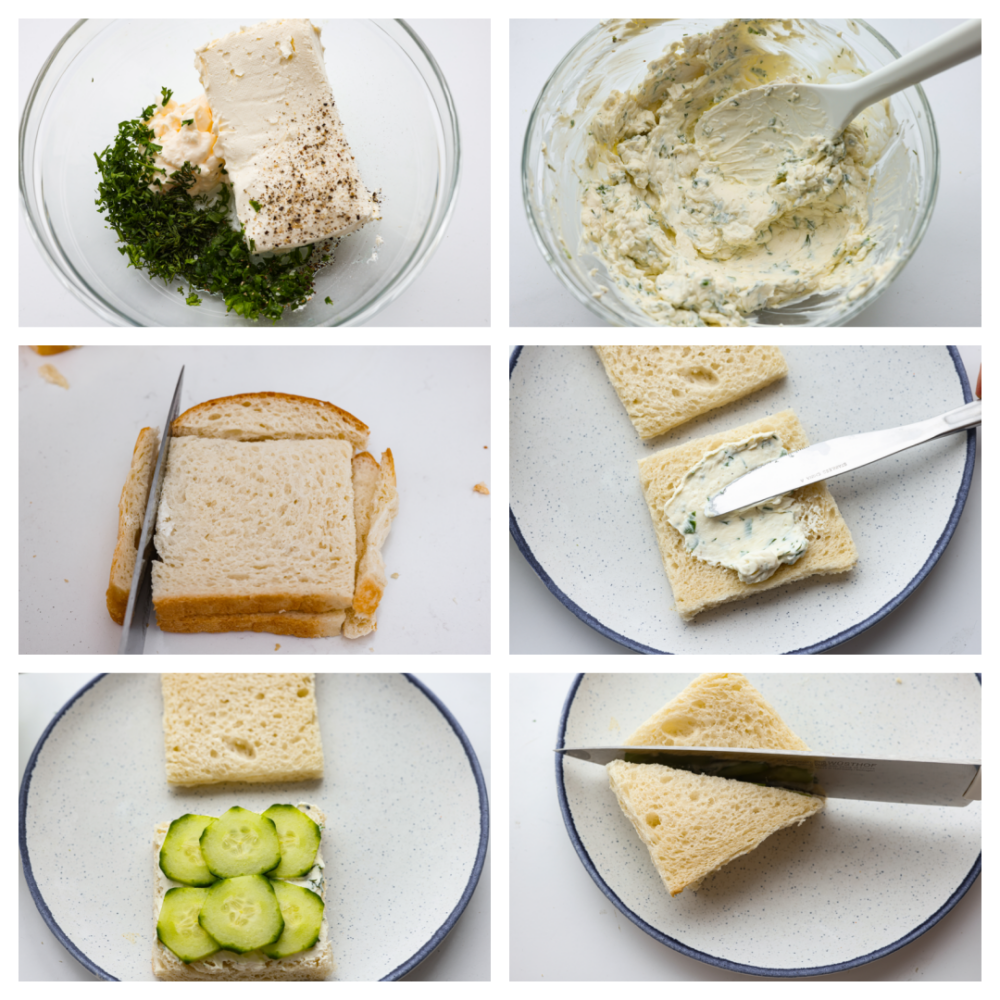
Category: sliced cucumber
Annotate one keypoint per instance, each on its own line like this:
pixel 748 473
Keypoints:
pixel 299 838
pixel 178 927
pixel 302 911
pixel 180 856
pixel 242 913
pixel 240 842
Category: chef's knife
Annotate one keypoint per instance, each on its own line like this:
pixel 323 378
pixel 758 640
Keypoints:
pixel 835 457
pixel 873 779
pixel 140 597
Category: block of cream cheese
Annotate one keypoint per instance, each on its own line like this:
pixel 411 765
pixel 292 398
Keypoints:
pixel 281 137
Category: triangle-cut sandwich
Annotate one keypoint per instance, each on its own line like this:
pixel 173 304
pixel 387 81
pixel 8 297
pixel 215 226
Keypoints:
pixel 693 824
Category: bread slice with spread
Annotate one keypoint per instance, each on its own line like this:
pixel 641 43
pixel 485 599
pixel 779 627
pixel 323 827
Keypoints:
pixel 311 964
pixel 697 585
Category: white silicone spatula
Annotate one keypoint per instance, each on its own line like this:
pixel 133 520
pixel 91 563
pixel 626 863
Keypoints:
pixel 754 133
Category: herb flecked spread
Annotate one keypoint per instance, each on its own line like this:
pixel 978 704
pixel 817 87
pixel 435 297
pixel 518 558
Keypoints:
pixel 179 237
pixel 690 241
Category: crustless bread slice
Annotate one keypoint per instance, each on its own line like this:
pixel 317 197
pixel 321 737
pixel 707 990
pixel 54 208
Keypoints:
pixel 693 824
pixel 131 510
pixel 697 586
pixel 240 727
pixel 662 387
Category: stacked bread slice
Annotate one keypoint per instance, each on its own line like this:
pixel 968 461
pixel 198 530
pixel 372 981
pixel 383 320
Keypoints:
pixel 260 526
pixel 694 824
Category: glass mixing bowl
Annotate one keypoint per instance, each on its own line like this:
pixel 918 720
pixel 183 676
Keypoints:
pixel 613 56
pixel 398 116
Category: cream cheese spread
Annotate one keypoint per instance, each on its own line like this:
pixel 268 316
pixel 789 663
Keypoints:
pixel 754 541
pixel 184 134
pixel 291 168
pixel 692 241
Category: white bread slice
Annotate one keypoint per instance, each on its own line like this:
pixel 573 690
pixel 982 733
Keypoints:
pixel 270 416
pixel 382 508
pixel 249 527
pixel 131 510
pixel 314 964
pixel 663 386
pixel 240 727
pixel 693 824
pixel 717 710
pixel 697 586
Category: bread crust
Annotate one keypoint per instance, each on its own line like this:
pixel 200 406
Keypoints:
pixel 131 510
pixel 299 623
pixel 196 420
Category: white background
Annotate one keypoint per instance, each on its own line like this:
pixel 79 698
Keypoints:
pixel 940 285
pixel 452 290
pixel 564 928
pixel 463 955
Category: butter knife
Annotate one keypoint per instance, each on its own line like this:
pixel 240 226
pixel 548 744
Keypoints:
pixel 835 457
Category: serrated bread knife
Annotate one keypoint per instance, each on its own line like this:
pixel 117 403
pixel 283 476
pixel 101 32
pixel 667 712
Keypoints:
pixel 835 457
pixel 871 779
pixel 140 597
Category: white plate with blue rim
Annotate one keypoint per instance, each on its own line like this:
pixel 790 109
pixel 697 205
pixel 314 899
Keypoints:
pixel 852 884
pixel 578 515
pixel 404 843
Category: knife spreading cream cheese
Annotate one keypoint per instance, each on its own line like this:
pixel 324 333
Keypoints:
pixel 754 542
pixel 690 241
pixel 291 168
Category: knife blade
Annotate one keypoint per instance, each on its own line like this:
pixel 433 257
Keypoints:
pixel 140 597
pixel 870 779
pixel 835 457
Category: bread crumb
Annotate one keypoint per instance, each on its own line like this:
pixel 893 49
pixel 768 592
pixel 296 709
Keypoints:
pixel 52 374
pixel 50 350
pixel 481 488
pixel 277 646
pixel 395 576
pixel 486 447
pixel 899 680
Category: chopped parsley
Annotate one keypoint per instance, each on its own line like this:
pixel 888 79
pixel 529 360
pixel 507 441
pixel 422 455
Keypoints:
pixel 328 301
pixel 255 205
pixel 173 235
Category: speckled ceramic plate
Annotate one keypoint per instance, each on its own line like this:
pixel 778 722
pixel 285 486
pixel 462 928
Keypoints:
pixel 405 800
pixel 850 885
pixel 577 511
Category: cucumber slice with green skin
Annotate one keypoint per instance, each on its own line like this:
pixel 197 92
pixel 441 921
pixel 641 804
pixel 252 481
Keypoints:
pixel 180 856
pixel 242 913
pixel 302 911
pixel 178 927
pixel 240 842
pixel 299 837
